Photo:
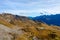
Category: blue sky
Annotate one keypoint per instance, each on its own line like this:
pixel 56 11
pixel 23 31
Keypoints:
pixel 30 7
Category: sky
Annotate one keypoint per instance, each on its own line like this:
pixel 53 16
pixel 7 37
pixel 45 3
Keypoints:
pixel 30 7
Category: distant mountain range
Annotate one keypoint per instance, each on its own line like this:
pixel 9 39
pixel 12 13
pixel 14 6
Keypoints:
pixel 49 19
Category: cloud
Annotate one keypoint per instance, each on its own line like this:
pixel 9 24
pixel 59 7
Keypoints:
pixel 30 7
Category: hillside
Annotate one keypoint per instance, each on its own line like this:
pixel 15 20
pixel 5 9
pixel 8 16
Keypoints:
pixel 14 27
pixel 49 19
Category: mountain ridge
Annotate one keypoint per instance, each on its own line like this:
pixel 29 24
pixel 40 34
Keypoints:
pixel 49 19
pixel 23 28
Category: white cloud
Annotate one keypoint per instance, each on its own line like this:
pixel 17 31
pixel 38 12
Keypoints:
pixel 29 7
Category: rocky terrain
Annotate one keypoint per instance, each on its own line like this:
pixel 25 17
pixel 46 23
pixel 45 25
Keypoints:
pixel 14 27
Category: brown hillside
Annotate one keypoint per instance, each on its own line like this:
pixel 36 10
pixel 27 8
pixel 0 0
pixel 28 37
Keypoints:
pixel 23 28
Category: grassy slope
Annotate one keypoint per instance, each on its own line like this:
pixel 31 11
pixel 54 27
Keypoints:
pixel 32 29
pixel 4 22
